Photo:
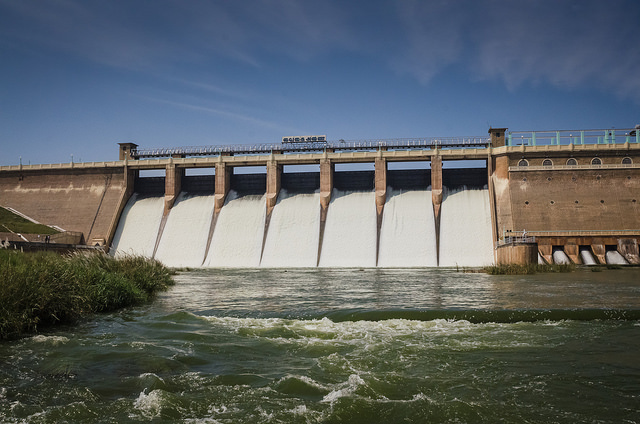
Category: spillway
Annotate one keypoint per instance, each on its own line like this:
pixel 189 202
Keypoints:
pixel 350 231
pixel 465 229
pixel 137 230
pixel 615 258
pixel 292 238
pixel 560 258
pixel 587 257
pixel 239 231
pixel 184 238
pixel 407 234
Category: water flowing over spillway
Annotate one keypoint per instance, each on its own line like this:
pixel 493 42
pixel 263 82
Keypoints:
pixel 615 258
pixel 587 257
pixel 138 227
pixel 244 237
pixel 237 239
pixel 292 239
pixel 350 231
pixel 560 258
pixel 465 229
pixel 407 234
pixel 186 231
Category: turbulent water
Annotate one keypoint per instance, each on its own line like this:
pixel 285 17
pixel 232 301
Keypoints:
pixel 343 345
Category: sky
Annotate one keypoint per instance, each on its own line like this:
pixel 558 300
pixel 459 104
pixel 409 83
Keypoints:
pixel 79 76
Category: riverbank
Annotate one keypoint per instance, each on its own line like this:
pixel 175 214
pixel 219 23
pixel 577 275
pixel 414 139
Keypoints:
pixel 42 289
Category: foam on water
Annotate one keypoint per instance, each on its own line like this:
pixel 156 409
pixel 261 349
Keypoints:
pixel 138 227
pixel 292 238
pixel 465 229
pixel 186 231
pixel 407 234
pixel 350 231
pixel 237 238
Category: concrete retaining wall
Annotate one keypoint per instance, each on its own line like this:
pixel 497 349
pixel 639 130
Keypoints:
pixel 83 200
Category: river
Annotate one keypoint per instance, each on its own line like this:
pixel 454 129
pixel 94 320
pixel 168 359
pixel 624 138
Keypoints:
pixel 343 345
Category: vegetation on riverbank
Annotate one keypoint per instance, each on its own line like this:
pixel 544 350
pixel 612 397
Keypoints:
pixel 43 288
pixel 13 223
pixel 513 269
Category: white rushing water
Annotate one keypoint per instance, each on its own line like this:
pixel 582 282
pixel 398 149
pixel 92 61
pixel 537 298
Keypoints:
pixel 237 238
pixel 407 234
pixel 292 238
pixel 560 258
pixel 465 229
pixel 186 231
pixel 615 258
pixel 350 231
pixel 138 226
pixel 586 257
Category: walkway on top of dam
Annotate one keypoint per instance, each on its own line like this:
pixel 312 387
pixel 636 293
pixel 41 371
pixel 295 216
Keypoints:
pixel 311 147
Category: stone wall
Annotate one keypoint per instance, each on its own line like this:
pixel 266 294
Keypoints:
pixel 84 200
pixel 575 200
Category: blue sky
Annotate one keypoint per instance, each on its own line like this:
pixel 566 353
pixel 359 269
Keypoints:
pixel 79 76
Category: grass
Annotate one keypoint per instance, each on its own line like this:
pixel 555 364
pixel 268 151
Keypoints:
pixel 43 288
pixel 513 269
pixel 10 222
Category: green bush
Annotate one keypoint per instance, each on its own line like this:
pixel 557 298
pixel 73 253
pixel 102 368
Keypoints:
pixel 43 288
pixel 513 269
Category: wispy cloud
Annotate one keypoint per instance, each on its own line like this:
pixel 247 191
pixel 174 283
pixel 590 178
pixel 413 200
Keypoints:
pixel 567 44
pixel 144 34
pixel 257 122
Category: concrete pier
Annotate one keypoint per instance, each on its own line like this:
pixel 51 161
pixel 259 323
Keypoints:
pixel 173 185
pixel 327 168
pixel 223 184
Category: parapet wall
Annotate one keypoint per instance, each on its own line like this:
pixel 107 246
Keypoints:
pixel 82 199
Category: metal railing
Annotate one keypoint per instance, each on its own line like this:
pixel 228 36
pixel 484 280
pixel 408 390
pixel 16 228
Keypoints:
pixel 341 145
pixel 517 239
pixel 566 137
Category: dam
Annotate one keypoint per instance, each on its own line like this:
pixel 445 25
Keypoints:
pixel 509 197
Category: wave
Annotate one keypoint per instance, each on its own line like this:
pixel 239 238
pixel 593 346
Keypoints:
pixel 505 316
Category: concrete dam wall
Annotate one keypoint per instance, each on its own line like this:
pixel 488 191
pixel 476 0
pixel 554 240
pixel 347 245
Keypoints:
pixel 81 199
pixel 579 202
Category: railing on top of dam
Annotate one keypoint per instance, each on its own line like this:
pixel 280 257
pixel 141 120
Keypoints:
pixel 566 137
pixel 341 145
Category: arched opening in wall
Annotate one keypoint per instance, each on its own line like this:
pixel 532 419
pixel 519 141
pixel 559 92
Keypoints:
pixel 572 162
pixel 627 161
pixel 523 162
pixel 596 161
pixel 547 162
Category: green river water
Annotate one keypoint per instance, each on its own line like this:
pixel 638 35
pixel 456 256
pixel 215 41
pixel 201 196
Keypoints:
pixel 343 346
